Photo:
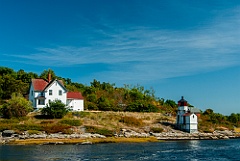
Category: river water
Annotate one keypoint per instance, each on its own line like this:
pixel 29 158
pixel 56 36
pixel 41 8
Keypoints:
pixel 172 150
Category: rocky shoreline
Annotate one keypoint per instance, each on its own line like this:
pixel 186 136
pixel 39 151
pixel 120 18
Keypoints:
pixel 9 136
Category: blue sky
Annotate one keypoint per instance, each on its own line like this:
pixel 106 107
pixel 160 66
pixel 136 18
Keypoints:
pixel 189 48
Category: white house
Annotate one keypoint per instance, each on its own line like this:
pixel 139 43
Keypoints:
pixel 42 91
pixel 187 117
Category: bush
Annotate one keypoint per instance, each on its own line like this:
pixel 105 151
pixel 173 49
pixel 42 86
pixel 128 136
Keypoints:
pixel 9 121
pixel 17 107
pixel 101 131
pixel 47 122
pixel 55 109
pixel 71 122
pixel 31 132
pixel 57 128
pixel 25 127
pixel 80 114
pixel 156 129
pixel 132 121
pixel 141 107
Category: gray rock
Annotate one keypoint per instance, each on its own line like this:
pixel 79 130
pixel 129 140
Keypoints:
pixel 86 143
pixel 8 133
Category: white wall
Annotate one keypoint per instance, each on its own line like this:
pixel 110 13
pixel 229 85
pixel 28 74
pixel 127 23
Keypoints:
pixel 55 87
pixel 76 104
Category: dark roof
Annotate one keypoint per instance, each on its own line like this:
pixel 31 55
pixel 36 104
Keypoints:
pixel 187 114
pixel 74 95
pixel 182 100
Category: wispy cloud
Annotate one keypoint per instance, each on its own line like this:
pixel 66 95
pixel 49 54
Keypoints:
pixel 152 53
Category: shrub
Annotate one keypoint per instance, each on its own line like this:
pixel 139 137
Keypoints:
pixel 47 122
pixel 17 107
pixel 156 129
pixel 71 122
pixel 132 121
pixel 9 121
pixel 5 127
pixel 25 127
pixel 90 106
pixel 56 128
pixel 33 132
pixel 80 114
pixel 55 109
pixel 141 107
pixel 101 131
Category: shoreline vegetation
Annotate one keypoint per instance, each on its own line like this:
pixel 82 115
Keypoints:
pixel 102 127
pixel 139 115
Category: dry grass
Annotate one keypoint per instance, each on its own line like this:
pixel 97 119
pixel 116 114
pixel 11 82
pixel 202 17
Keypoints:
pixel 237 129
pixel 112 121
pixel 79 141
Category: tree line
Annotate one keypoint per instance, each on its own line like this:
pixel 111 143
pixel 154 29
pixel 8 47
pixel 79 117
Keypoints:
pixel 104 96
pixel 98 95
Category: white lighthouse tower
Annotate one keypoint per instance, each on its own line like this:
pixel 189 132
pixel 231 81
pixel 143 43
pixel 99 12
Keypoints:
pixel 187 119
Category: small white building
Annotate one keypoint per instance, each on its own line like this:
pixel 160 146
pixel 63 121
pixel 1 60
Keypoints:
pixel 187 117
pixel 42 91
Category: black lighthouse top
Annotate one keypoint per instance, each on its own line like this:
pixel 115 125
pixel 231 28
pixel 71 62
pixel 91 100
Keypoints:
pixel 182 102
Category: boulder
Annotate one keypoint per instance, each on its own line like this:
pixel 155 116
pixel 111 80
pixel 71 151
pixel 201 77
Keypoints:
pixel 8 133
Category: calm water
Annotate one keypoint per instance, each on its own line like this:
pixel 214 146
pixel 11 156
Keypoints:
pixel 181 150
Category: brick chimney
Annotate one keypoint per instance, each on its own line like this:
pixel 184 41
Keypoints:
pixel 49 77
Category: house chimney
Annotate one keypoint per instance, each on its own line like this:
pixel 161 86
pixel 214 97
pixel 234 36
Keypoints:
pixel 49 77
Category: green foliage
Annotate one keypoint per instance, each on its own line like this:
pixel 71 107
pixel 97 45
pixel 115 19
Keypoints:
pixel 14 82
pixel 55 109
pixel 31 132
pixel 141 107
pixel 171 103
pixel 80 114
pixel 9 121
pixel 25 127
pixel 90 105
pixel 17 107
pixel 71 122
pixel 101 131
pixel 131 121
pixel 55 128
pixel 45 73
pixel 234 118
pixel 104 104
pixel 208 112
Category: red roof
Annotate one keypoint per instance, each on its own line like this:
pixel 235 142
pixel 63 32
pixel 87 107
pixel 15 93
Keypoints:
pixel 39 84
pixel 187 114
pixel 74 95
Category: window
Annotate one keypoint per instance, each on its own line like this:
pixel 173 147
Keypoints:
pixel 184 120
pixel 32 93
pixel 60 92
pixel 50 92
pixel 41 102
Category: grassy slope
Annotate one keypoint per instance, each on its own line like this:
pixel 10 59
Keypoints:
pixel 106 123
